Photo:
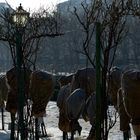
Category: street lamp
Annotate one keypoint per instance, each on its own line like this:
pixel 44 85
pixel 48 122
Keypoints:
pixel 20 19
pixel 20 16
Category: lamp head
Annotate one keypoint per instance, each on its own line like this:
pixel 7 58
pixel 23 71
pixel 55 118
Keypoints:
pixel 20 16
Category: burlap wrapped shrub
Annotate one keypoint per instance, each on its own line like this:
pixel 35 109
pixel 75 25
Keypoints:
pixel 131 94
pixel 85 79
pixel 65 79
pixel 136 129
pixel 11 79
pixel 12 103
pixel 3 90
pixel 41 89
pixel 63 123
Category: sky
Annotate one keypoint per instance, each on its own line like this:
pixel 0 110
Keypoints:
pixel 33 4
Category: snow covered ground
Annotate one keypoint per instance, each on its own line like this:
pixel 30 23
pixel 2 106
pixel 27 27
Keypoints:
pixel 51 123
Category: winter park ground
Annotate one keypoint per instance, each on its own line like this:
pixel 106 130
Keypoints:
pixel 51 123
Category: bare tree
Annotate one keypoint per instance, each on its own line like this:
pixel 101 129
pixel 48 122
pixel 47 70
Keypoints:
pixel 112 16
pixel 41 24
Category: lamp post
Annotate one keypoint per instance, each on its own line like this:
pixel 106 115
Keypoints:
pixel 20 18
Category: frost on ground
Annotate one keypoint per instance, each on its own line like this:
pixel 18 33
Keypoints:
pixel 51 123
